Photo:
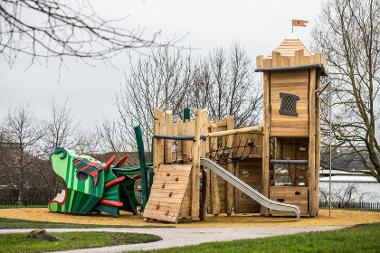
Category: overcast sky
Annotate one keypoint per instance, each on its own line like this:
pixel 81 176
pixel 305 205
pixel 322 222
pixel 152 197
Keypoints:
pixel 258 26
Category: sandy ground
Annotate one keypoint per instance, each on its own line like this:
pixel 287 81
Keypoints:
pixel 339 218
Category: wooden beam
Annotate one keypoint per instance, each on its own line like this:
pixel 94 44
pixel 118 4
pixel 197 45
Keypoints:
pixel 266 140
pixel 312 138
pixel 317 146
pixel 230 166
pixel 196 166
pixel 214 186
pixel 205 191
pixel 158 145
pixel 169 131
pixel 252 129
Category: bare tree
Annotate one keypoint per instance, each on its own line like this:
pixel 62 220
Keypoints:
pixel 169 80
pixel 53 28
pixel 163 80
pixel 345 194
pixel 60 129
pixel 348 33
pixel 111 137
pixel 24 131
pixel 224 84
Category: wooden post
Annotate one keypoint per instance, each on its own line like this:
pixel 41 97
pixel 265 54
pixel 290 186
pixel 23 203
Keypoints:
pixel 205 179
pixel 196 167
pixel 317 147
pixel 186 145
pixel 168 143
pixel 230 167
pixel 158 144
pixel 312 145
pixel 266 140
pixel 214 186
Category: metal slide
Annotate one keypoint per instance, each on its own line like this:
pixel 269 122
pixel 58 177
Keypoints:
pixel 252 193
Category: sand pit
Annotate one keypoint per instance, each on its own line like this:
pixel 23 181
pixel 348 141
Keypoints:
pixel 339 217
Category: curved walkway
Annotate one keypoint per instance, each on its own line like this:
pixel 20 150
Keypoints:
pixel 174 237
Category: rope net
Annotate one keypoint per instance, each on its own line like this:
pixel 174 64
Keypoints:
pixel 222 152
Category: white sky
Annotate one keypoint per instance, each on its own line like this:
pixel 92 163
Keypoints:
pixel 258 26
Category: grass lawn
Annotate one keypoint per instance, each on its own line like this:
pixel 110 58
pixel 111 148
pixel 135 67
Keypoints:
pixel 20 243
pixel 360 238
pixel 14 223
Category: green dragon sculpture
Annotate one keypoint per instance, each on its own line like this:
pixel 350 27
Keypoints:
pixel 93 186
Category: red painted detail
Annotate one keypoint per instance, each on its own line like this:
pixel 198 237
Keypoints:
pixel 113 182
pixel 90 164
pixel 109 163
pixel 94 174
pixel 77 163
pixel 59 203
pixel 111 203
pixel 121 162
pixel 136 177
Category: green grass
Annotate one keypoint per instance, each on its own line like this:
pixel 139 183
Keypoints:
pixel 14 223
pixel 10 243
pixel 361 238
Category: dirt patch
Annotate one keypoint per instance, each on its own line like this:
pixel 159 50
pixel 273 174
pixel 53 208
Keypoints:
pixel 339 217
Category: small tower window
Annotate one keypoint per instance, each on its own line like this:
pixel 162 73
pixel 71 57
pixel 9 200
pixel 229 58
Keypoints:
pixel 289 104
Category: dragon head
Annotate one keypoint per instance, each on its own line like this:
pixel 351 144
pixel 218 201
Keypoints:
pixel 91 186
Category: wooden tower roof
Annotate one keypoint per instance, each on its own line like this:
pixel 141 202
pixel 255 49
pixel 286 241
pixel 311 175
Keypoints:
pixel 289 46
pixel 290 54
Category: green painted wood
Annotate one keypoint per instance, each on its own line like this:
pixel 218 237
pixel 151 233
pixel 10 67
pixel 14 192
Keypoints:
pixel 83 194
pixel 186 114
pixel 143 167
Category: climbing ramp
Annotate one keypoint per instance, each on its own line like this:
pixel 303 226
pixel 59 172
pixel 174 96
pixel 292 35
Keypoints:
pixel 169 199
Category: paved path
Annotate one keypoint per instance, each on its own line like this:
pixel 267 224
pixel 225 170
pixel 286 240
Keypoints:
pixel 173 237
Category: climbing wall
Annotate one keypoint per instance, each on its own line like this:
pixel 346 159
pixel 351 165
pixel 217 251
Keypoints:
pixel 169 197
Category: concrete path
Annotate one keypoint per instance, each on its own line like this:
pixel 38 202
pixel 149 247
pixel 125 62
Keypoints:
pixel 173 237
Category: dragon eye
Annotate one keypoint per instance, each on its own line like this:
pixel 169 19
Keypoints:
pixel 82 176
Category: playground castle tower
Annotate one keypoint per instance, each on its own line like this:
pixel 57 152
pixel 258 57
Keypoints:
pixel 291 133
pixel 203 166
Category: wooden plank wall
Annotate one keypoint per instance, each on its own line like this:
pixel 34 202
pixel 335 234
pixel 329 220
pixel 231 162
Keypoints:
pixel 188 152
pixel 248 170
pixel 295 82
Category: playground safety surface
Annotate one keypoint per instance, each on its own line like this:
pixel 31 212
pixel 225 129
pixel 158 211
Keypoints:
pixel 338 218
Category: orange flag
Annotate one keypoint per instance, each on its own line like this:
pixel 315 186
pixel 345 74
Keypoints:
pixel 299 22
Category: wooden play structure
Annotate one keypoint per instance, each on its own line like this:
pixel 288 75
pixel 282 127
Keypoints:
pixel 210 167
